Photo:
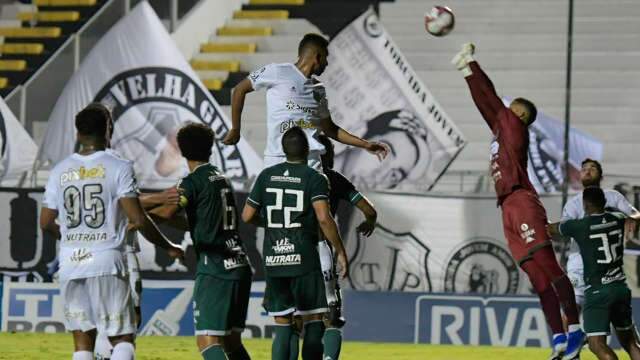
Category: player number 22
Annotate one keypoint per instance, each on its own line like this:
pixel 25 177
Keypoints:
pixel 280 194
pixel 609 249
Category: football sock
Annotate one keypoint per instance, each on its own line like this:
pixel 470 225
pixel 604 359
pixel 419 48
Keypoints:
pixel 103 346
pixel 281 342
pixel 548 297
pixel 213 352
pixel 239 354
pixel 332 342
pixel 123 351
pixel 294 345
pixel 312 344
pixel 82 355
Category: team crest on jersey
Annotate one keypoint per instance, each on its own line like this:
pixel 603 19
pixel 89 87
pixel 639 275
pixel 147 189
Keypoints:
pixel 167 97
pixel 387 261
pixel 481 265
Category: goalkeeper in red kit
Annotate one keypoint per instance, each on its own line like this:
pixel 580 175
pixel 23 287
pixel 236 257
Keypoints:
pixel 523 216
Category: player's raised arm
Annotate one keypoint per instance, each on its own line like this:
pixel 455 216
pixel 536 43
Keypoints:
pixel 482 90
pixel 339 134
pixel 238 95
pixel 151 200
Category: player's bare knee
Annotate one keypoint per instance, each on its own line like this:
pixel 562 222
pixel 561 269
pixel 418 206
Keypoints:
pixel 283 320
pixel 312 317
pixel 84 340
pixel 205 341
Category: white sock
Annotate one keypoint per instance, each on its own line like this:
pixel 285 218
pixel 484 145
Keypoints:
pixel 574 327
pixel 82 355
pixel 123 351
pixel 103 346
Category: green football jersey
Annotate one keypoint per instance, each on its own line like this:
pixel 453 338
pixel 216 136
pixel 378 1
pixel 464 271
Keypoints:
pixel 207 197
pixel 284 195
pixel 601 241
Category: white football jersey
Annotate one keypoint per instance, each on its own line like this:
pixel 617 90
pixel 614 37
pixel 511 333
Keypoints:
pixel 132 243
pixel 574 208
pixel 85 190
pixel 292 100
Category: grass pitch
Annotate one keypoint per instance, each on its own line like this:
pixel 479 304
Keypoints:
pixel 59 346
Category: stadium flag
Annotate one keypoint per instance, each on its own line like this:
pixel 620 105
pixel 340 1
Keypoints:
pixel 374 92
pixel 137 70
pixel 18 151
pixel 546 153
pixel 434 243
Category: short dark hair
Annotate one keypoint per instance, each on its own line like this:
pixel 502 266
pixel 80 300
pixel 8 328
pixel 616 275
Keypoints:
pixel 94 120
pixel 295 143
pixel 595 163
pixel 195 141
pixel 595 196
pixel 531 109
pixel 312 40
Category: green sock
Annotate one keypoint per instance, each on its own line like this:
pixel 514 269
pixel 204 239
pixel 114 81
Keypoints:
pixel 239 354
pixel 294 346
pixel 312 345
pixel 332 341
pixel 281 342
pixel 214 352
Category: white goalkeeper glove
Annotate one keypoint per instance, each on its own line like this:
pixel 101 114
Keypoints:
pixel 463 58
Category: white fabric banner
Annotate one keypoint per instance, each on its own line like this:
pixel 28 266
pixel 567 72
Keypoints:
pixel 546 153
pixel 18 151
pixel 436 244
pixel 137 70
pixel 375 93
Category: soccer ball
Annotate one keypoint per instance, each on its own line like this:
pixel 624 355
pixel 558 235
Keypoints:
pixel 439 21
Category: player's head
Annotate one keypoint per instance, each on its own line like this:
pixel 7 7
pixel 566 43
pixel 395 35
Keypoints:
pixel 195 142
pixel 593 200
pixel 94 124
pixel 327 158
pixel 409 157
pixel 590 173
pixel 314 48
pixel 524 109
pixel 295 144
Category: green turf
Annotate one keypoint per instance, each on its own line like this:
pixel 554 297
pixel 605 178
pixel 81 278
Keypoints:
pixel 58 346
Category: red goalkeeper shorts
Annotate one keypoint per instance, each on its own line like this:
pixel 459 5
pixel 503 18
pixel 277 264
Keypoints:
pixel 524 220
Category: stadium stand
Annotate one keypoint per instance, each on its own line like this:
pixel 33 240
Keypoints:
pixel 32 32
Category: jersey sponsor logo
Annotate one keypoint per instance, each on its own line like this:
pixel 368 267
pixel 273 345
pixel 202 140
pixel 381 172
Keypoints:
pixel 604 225
pixel 286 125
pixel 390 261
pixel 286 178
pixel 613 275
pixel 481 266
pixel 235 262
pixel 98 172
pixel 283 246
pixel 527 234
pixel 283 260
pixel 86 237
pixel 81 256
pixel 167 96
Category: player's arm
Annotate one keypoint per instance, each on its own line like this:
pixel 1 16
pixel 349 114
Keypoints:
pixel 251 210
pixel 139 221
pixel 482 90
pixel 49 212
pixel 48 222
pixel 238 95
pixel 553 230
pixel 339 134
pixel 151 200
pixel 370 215
pixel 330 232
